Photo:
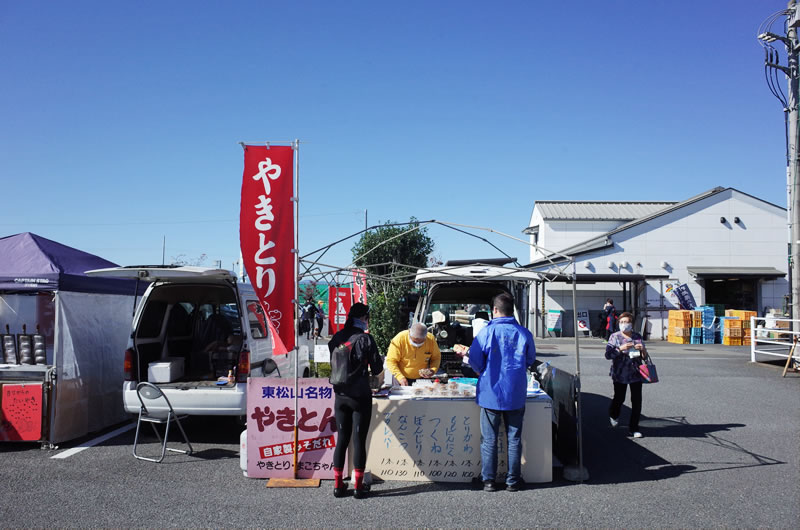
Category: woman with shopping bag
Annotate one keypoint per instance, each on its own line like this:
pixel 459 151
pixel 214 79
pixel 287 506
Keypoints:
pixel 626 351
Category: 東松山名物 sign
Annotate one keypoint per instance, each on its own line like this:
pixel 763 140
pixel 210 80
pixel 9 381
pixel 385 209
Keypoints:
pixel 270 428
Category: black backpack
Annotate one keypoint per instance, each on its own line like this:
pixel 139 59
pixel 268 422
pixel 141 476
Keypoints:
pixel 343 370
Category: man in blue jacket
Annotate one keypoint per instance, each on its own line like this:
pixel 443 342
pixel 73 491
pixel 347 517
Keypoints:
pixel 501 354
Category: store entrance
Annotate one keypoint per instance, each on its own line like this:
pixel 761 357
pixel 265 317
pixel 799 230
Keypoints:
pixel 734 294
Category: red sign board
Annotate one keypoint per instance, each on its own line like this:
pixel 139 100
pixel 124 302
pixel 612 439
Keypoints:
pixel 267 238
pixel 21 412
pixel 339 302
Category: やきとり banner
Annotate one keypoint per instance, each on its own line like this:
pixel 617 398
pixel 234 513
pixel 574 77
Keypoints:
pixel 266 236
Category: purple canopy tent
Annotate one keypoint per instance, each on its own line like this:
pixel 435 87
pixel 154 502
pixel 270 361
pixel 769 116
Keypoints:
pixel 33 263
pixel 86 322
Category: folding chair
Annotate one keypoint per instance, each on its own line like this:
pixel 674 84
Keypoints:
pixel 158 413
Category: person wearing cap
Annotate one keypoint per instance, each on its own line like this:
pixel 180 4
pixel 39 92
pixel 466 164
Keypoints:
pixel 353 401
pixel 411 351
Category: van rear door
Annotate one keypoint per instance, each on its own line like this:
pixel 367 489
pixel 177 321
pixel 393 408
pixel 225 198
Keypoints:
pixel 171 273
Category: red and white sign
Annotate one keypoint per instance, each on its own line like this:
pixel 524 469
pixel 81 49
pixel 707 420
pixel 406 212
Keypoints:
pixel 270 428
pixel 339 303
pixel 583 320
pixel 266 236
pixel 360 286
pixel 21 412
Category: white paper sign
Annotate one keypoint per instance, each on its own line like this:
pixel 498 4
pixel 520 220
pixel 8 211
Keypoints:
pixel 553 320
pixel 322 354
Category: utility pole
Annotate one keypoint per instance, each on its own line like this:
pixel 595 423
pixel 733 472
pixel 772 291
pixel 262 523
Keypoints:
pixel 790 102
pixel 794 163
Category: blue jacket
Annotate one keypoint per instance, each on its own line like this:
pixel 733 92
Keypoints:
pixel 501 354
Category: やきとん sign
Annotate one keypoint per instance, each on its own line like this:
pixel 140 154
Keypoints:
pixel 270 428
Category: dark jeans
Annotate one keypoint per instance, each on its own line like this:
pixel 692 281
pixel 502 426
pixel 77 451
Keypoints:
pixel 636 403
pixel 490 427
pixel 352 417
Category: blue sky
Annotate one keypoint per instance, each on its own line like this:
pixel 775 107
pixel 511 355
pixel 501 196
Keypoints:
pixel 120 120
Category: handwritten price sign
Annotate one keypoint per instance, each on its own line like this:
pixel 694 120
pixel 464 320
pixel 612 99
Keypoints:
pixel 21 412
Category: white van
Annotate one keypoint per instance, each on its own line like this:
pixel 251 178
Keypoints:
pixel 192 328
pixel 457 299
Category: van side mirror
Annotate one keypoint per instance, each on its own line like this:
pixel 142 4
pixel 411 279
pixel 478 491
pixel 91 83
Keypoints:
pixel 270 366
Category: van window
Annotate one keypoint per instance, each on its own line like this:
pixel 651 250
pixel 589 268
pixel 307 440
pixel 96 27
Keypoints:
pixel 152 319
pixel 231 313
pixel 256 319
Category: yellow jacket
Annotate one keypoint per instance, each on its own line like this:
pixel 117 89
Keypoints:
pixel 404 360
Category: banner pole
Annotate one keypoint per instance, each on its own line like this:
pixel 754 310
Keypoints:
pixel 296 146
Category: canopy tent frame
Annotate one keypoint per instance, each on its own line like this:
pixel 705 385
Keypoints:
pixel 313 269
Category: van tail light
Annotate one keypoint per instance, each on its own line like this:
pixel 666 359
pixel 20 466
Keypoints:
pixel 127 365
pixel 243 370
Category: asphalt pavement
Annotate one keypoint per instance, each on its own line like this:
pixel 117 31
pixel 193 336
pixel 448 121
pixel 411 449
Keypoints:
pixel 720 450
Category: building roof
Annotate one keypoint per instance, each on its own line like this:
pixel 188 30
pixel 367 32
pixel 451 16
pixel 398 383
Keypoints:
pixel 734 272
pixel 604 240
pixel 598 210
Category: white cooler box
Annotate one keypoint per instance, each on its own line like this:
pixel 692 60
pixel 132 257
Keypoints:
pixel 166 370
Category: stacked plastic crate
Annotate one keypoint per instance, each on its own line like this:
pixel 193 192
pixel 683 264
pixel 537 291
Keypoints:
pixel 707 322
pixel 744 316
pixel 732 331
pixel 680 326
pixel 697 327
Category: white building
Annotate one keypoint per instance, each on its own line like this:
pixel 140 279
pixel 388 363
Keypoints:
pixel 728 247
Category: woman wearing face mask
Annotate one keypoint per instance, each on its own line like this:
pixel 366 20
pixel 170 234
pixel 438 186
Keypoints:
pixel 353 402
pixel 625 349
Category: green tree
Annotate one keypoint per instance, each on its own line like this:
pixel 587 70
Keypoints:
pixel 390 255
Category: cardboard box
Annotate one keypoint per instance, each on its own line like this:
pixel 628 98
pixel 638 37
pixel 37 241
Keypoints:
pixel 166 370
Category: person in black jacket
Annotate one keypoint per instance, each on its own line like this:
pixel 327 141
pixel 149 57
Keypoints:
pixel 353 402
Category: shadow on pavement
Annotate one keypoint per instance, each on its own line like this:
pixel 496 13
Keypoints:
pixel 611 456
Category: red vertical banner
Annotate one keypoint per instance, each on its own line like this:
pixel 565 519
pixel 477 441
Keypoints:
pixel 266 236
pixel 339 302
pixel 360 286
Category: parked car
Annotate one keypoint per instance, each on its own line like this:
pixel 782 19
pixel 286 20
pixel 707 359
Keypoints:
pixel 193 328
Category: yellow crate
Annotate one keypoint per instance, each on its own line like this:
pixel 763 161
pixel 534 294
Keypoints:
pixel 732 341
pixel 732 332
pixel 678 340
pixel 680 332
pixel 729 323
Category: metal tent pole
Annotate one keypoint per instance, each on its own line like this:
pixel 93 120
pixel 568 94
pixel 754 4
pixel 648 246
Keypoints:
pixel 296 199
pixel 580 473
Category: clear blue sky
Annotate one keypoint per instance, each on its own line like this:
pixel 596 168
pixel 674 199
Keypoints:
pixel 119 121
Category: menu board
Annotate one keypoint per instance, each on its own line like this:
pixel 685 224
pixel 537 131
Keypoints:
pixel 439 440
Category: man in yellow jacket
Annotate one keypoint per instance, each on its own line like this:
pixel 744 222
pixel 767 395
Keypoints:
pixel 411 351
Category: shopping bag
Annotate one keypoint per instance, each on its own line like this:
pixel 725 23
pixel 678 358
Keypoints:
pixel 648 371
